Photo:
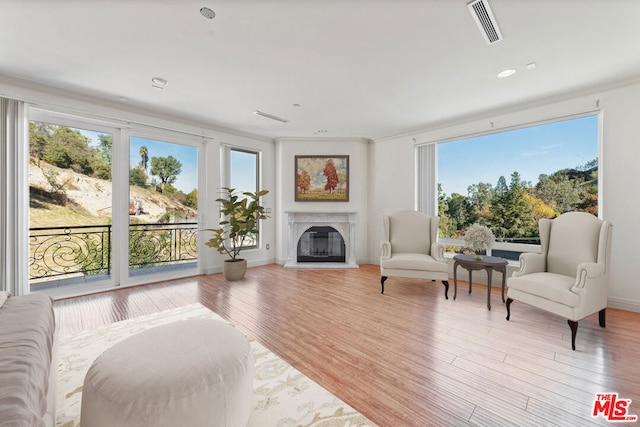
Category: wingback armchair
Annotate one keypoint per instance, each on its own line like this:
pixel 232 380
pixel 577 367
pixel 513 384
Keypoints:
pixel 410 248
pixel 570 275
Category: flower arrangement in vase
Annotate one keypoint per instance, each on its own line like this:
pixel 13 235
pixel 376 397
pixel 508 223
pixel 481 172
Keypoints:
pixel 478 238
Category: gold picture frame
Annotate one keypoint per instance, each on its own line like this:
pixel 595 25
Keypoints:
pixel 322 178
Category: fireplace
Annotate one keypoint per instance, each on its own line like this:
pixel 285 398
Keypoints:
pixel 321 240
pixel 321 244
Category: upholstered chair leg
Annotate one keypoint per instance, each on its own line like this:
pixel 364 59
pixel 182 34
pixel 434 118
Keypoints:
pixel 446 289
pixel 509 301
pixel 382 279
pixel 574 330
pixel 602 317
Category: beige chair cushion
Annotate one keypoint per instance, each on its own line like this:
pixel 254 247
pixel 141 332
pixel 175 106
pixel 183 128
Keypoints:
pixel 551 286
pixel 413 261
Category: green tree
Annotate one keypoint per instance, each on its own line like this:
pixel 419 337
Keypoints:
pixel 138 177
pixel 512 211
pixel 106 146
pixel 447 227
pixel 501 187
pixel 144 157
pixel 170 190
pixel 69 149
pixel 101 163
pixel 39 134
pixel 192 199
pixel 479 197
pixel 458 210
pixel 166 169
pixel 558 192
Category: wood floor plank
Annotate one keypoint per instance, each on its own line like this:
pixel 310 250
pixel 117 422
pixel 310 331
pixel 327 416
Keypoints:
pixel 407 357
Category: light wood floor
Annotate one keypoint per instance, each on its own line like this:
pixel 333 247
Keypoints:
pixel 408 357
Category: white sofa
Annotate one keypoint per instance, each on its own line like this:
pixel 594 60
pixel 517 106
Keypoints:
pixel 27 361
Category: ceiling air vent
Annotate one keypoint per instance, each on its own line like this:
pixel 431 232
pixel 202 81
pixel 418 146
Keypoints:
pixel 270 116
pixel 483 16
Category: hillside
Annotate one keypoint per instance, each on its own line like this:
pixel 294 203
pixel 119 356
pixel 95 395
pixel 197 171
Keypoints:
pixel 89 200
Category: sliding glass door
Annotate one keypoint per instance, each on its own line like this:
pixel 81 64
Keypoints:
pixel 163 207
pixel 107 207
pixel 70 205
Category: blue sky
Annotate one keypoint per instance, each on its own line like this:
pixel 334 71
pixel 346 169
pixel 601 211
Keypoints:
pixel 530 151
pixel 243 171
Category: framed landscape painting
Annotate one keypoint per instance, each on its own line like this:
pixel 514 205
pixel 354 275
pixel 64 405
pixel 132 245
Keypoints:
pixel 322 178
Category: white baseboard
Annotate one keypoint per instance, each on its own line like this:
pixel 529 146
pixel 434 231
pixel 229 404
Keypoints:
pixel 624 304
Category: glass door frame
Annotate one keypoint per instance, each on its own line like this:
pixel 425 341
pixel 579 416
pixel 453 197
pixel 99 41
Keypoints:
pixel 165 136
pixel 94 125
pixel 121 133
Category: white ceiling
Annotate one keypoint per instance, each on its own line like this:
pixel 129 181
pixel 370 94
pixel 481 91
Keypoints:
pixel 358 68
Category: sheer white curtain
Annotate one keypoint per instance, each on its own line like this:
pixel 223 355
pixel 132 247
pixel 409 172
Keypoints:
pixel 14 144
pixel 427 175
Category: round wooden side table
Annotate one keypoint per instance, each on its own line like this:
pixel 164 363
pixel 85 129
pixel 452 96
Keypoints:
pixel 488 263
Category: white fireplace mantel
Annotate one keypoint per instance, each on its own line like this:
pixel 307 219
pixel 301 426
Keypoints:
pixel 343 222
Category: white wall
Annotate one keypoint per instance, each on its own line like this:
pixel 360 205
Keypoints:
pixel 394 183
pixel 357 150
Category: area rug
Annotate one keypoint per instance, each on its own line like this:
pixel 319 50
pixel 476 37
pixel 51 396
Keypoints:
pixel 282 395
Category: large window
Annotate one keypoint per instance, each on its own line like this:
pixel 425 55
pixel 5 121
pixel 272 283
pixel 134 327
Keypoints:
pixel 509 180
pixel 242 168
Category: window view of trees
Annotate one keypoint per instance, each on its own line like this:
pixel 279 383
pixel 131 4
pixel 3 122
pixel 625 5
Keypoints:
pixel 67 148
pixel 152 169
pixel 512 209
pixel 511 206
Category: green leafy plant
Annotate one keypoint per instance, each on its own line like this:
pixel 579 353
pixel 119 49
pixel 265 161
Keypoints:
pixel 241 218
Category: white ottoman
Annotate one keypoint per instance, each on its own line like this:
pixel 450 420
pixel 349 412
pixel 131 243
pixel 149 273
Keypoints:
pixel 188 373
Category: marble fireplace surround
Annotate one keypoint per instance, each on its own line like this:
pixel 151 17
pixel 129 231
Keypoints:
pixel 343 222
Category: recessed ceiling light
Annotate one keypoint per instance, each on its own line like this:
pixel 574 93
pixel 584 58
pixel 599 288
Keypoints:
pixel 531 65
pixel 207 13
pixel 296 105
pixel 506 73
pixel 159 81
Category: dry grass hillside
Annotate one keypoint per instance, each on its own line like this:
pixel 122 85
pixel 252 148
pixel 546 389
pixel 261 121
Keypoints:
pixel 88 200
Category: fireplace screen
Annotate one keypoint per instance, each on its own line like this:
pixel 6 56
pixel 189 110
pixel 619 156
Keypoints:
pixel 321 244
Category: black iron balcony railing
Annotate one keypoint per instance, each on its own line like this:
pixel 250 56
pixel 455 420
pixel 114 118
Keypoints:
pixel 86 250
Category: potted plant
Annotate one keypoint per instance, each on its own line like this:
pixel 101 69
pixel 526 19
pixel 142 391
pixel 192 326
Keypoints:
pixel 241 218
